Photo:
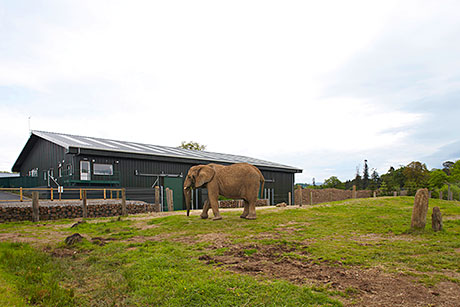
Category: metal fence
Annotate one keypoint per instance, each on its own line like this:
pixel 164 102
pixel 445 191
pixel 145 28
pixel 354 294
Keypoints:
pixel 58 194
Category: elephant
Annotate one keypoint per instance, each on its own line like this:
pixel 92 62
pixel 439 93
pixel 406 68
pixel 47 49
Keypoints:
pixel 236 181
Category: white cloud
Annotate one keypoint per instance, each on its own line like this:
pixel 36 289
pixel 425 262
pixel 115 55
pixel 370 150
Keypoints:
pixel 244 77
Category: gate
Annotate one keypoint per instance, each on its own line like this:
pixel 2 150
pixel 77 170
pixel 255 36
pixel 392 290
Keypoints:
pixel 175 184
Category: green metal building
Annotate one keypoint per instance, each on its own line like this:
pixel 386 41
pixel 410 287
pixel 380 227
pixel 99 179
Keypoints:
pixel 54 159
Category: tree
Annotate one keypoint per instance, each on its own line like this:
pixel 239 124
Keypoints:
pixel 358 182
pixel 333 182
pixel 365 175
pixel 437 179
pixel 447 167
pixel 417 173
pixel 192 146
pixel 375 180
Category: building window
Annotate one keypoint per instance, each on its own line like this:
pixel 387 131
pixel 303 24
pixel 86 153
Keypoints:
pixel 103 169
pixel 33 172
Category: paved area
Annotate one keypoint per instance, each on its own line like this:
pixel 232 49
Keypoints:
pixel 8 196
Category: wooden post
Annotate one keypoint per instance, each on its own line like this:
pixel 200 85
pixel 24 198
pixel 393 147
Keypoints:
pixel 35 207
pixel 111 194
pixel 84 205
pixel 20 194
pixel 289 199
pixel 353 193
pixel 157 195
pixel 52 197
pixel 105 194
pixel 169 199
pixel 124 212
pixel 311 198
pixel 80 195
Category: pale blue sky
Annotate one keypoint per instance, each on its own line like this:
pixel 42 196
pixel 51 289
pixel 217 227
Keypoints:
pixel 317 85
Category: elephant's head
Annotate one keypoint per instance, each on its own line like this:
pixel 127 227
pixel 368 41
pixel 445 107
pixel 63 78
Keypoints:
pixel 197 177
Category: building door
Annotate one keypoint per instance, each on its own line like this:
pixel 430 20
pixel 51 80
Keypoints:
pixel 85 170
pixel 175 184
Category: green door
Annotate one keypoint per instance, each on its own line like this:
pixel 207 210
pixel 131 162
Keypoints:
pixel 175 184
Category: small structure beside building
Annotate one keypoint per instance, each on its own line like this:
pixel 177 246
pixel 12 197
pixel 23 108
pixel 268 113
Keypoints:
pixel 61 160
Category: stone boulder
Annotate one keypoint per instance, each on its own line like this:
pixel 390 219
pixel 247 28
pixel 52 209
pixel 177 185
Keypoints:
pixel 420 209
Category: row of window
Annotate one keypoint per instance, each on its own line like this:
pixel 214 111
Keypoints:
pixel 98 169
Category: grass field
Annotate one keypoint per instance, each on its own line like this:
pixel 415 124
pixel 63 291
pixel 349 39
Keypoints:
pixel 356 252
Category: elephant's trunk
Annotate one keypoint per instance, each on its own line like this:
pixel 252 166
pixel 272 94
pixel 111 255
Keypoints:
pixel 188 196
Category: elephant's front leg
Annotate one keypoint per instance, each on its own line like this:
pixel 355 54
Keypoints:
pixel 245 210
pixel 213 199
pixel 204 214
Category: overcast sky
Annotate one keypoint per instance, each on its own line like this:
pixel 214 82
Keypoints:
pixel 319 85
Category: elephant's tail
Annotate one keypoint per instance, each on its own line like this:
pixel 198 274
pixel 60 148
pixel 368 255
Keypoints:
pixel 262 182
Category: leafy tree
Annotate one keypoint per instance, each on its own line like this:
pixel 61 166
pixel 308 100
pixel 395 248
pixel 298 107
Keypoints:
pixel 437 179
pixel 365 181
pixel 417 173
pixel 384 188
pixel 447 167
pixel 375 180
pixel 411 187
pixel 192 146
pixel 455 172
pixel 333 182
pixel 358 181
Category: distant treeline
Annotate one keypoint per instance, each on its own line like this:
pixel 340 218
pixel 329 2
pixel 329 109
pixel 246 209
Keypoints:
pixel 410 178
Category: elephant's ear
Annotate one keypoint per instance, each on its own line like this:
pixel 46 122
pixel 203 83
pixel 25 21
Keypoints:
pixel 205 174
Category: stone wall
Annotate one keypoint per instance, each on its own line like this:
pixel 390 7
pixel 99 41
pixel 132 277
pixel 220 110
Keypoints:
pixel 316 196
pixel 64 210
pixel 238 203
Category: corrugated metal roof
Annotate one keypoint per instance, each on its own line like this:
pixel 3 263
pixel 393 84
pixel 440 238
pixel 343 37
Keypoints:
pixel 66 141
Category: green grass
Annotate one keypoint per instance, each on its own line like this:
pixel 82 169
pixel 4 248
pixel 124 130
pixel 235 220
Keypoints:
pixel 165 270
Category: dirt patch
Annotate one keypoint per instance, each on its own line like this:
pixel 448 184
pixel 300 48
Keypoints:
pixel 371 287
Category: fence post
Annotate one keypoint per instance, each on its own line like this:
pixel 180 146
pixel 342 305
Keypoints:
pixel 35 207
pixel 84 205
pixel 123 202
pixel 169 199
pixel 20 194
pixel 80 195
pixel 52 197
pixel 289 198
pixel 157 196
pixel 105 195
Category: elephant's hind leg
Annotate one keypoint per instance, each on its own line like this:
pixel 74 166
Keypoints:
pixel 245 210
pixel 252 209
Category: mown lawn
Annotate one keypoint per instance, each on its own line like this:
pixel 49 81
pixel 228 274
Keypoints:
pixel 156 260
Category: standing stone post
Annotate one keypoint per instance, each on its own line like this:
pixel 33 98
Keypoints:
pixel 440 194
pixel 124 212
pixel 420 209
pixel 311 197
pixel 298 196
pixel 157 195
pixel 395 194
pixel 35 208
pixel 169 199
pixel 375 194
pixel 84 204
pixel 289 198
pixel 436 219
pixel 353 193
